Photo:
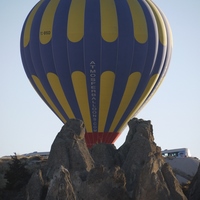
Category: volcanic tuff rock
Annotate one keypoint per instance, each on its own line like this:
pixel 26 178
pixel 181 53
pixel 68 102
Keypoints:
pixel 147 175
pixel 135 171
pixel 194 189
pixel 60 186
pixel 69 149
pixel 183 168
pixel 35 186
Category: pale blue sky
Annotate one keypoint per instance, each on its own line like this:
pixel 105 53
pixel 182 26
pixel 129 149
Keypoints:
pixel 28 125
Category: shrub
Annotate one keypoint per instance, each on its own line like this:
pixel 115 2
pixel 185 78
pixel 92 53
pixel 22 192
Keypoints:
pixel 17 175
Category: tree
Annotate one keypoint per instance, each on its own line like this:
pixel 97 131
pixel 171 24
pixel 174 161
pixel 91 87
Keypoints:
pixel 17 175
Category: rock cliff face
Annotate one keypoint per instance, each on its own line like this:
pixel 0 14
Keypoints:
pixel 183 168
pixel 147 175
pixel 135 171
pixel 194 189
pixel 69 150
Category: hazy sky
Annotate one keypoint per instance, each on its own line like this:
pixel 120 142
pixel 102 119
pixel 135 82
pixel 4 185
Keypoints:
pixel 28 125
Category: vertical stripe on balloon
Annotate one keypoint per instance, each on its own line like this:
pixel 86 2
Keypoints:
pixel 59 93
pixel 75 27
pixel 160 23
pixel 144 95
pixel 139 21
pixel 147 90
pixel 109 22
pixel 106 91
pixel 27 30
pixel 46 97
pixel 80 88
pixel 46 25
pixel 131 86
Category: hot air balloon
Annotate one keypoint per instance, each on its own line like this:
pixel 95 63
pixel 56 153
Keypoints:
pixel 96 60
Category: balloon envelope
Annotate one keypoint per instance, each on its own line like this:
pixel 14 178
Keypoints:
pixel 96 60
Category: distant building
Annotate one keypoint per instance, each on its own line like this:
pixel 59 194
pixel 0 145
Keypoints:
pixel 35 153
pixel 177 153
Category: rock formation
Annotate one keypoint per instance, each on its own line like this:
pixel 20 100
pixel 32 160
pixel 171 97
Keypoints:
pixel 135 171
pixel 60 186
pixel 35 186
pixel 147 175
pixel 69 149
pixel 183 168
pixel 194 189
